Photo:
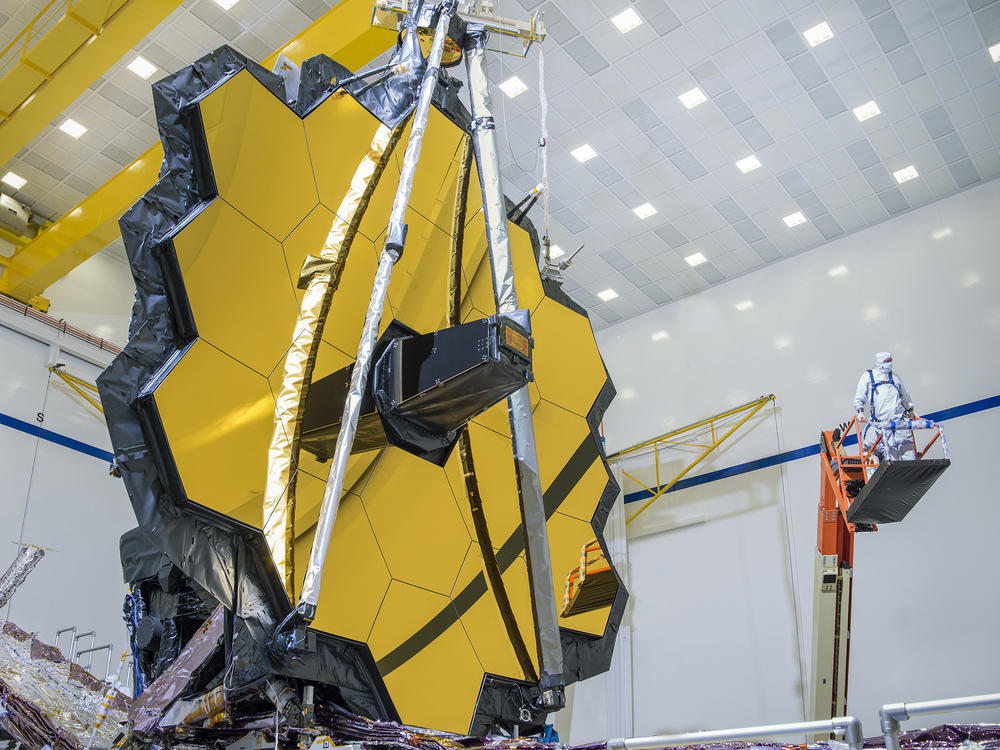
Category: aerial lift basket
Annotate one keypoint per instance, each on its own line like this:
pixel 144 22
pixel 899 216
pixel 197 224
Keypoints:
pixel 894 487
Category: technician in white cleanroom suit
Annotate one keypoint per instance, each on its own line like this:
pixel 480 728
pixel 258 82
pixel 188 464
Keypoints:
pixel 888 400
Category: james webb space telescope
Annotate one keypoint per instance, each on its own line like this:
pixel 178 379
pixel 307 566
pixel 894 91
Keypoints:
pixel 358 429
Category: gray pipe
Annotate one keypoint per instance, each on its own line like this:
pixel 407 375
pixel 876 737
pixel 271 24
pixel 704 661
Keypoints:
pixel 848 726
pixel 391 251
pixel 892 713
pixel 71 629
pixel 76 640
pixel 522 428
pixel 90 661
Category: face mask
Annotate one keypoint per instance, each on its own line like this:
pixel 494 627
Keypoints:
pixel 884 366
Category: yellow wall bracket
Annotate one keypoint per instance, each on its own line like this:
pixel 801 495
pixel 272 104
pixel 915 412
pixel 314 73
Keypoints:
pixel 705 436
pixel 590 585
pixel 86 390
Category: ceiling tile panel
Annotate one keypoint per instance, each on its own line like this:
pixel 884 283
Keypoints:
pixel 923 61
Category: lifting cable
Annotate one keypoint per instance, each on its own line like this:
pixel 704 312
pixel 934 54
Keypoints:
pixel 790 552
pixel 543 146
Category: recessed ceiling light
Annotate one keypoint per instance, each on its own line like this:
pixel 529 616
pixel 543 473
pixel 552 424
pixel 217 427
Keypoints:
pixel 660 336
pixel 644 211
pixel 744 305
pixel 14 180
pixel 513 86
pixel 793 220
pixel 226 4
pixel 818 34
pixel 584 153
pixel 940 234
pixel 867 111
pixel 782 342
pixel 556 252
pixel 906 173
pixel 838 271
pixel 627 20
pixel 749 164
pixel 142 67
pixel 693 98
pixel 995 52
pixel 72 127
pixel 628 393
pixel 696 259
pixel 607 295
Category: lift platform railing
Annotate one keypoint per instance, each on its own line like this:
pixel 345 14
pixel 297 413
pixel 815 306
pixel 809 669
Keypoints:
pixel 595 571
pixel 892 713
pixel 847 726
pixel 866 458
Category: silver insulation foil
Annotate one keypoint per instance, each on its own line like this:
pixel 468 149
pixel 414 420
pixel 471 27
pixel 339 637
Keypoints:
pixel 45 700
pixel 26 560
pixel 352 410
pixel 369 335
pixel 519 404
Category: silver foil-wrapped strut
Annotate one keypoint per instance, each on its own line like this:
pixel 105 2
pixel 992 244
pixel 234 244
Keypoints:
pixel 26 560
pixel 522 428
pixel 362 365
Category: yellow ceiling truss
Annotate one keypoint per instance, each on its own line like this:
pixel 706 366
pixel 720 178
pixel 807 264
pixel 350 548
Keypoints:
pixel 344 33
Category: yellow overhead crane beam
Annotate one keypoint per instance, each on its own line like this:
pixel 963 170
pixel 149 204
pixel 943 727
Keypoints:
pixel 62 51
pixel 344 33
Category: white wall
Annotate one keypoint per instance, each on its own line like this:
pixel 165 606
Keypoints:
pixel 56 497
pixel 96 296
pixel 722 592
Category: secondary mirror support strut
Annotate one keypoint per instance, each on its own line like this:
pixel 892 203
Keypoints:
pixel 522 428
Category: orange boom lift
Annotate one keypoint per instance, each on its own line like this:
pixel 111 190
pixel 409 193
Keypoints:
pixel 856 493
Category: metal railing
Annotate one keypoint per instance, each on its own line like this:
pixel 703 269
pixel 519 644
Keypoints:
pixel 847 726
pixel 892 713
pixel 90 660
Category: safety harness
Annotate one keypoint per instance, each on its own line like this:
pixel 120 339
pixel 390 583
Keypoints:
pixel 871 398
pixel 874 387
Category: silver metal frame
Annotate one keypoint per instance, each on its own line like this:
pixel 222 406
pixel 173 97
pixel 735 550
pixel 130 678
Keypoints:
pixel 848 726
pixel 92 650
pixel 76 639
pixel 892 713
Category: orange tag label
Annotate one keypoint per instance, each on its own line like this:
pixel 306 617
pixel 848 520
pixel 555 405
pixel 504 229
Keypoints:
pixel 517 342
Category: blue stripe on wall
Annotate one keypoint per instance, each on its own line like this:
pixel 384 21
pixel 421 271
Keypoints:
pixel 810 450
pixel 712 476
pixel 55 437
